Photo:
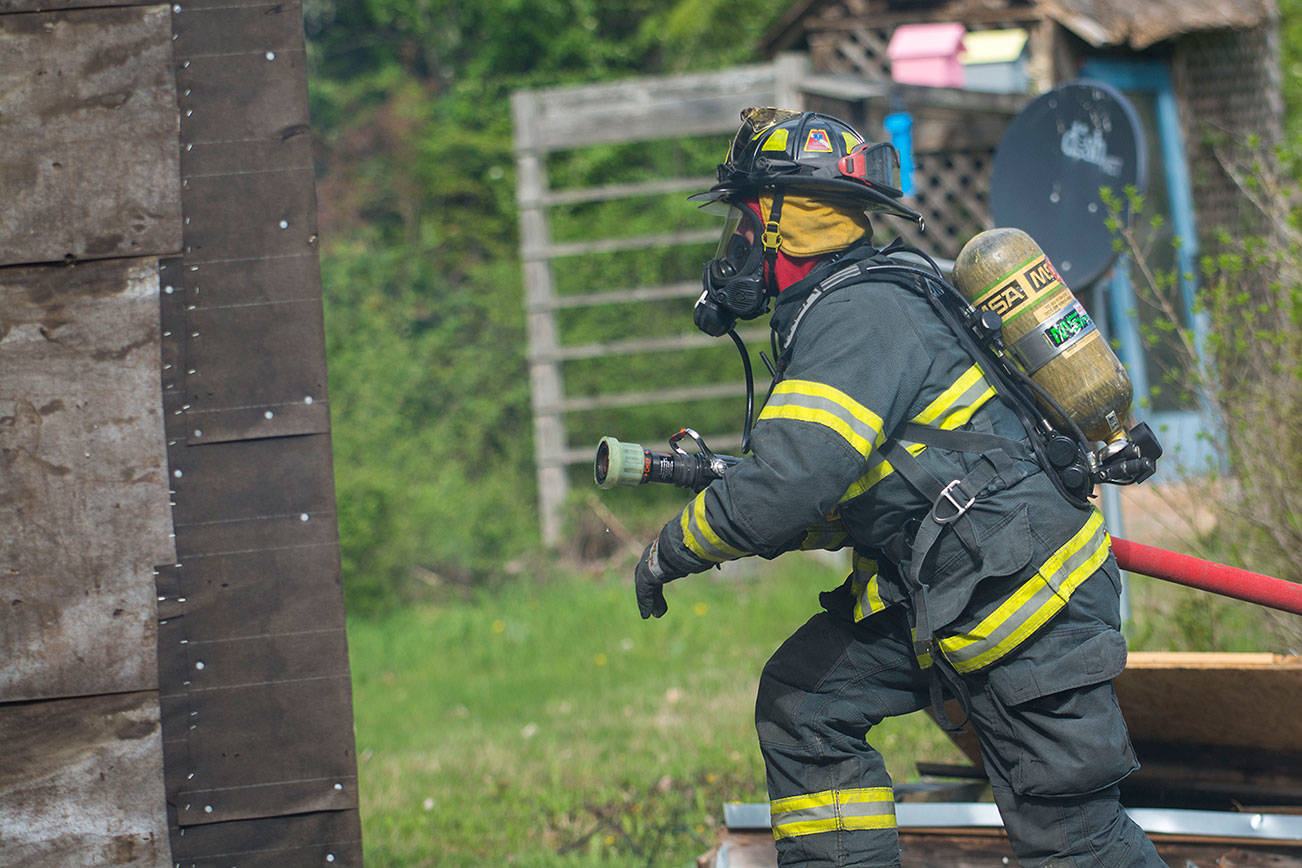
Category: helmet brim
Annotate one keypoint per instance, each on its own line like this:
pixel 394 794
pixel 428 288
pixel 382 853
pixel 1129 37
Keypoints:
pixel 857 193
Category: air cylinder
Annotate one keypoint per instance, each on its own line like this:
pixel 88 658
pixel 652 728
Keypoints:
pixel 1046 330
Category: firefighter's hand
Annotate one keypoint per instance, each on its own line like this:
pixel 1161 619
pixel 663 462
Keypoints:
pixel 649 581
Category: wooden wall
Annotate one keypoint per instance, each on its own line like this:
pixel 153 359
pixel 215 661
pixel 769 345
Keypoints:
pixel 176 679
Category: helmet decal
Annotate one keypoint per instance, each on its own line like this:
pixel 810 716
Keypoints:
pixel 775 142
pixel 818 142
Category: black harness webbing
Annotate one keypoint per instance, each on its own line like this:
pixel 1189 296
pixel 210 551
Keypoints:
pixel 950 501
pixel 994 471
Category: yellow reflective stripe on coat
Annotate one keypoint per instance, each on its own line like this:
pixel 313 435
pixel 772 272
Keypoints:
pixel 865 587
pixel 1035 602
pixel 833 811
pixel 702 539
pixel 807 401
pixel 920 652
pixel 967 392
pixel 829 535
pixel 951 409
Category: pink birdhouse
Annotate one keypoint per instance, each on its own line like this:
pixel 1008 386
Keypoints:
pixel 927 54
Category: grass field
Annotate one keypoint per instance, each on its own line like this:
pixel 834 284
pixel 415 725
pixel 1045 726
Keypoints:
pixel 547 724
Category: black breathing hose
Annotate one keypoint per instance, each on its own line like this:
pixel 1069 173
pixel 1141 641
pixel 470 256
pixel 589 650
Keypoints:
pixel 750 389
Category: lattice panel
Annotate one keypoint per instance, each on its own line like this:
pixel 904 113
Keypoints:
pixel 951 191
pixel 863 51
pixel 841 42
pixel 1229 85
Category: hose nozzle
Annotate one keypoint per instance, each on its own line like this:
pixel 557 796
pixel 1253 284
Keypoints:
pixel 629 464
pixel 620 463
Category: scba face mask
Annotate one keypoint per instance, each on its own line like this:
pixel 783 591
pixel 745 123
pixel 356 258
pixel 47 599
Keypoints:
pixel 733 281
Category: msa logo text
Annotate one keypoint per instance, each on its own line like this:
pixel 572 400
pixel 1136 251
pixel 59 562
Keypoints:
pixel 1006 298
pixel 1040 275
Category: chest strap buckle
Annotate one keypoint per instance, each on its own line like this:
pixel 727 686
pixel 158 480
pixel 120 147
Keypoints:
pixel 946 496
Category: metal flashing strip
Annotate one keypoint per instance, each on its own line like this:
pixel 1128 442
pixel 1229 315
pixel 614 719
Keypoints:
pixel 984 815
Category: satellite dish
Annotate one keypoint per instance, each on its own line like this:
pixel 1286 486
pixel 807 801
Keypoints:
pixel 1050 164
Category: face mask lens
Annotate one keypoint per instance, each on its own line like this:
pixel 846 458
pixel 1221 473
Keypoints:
pixel 730 226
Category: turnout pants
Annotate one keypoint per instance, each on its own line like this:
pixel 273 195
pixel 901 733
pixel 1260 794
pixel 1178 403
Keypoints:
pixel 1051 735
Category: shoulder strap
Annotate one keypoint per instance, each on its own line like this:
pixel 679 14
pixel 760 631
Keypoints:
pixel 877 261
pixel 964 441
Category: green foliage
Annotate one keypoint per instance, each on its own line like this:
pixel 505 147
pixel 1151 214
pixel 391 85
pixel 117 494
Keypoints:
pixel 429 388
pixel 1240 360
pixel 432 457
pixel 1290 24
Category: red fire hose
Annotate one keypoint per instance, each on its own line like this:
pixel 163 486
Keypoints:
pixel 1208 576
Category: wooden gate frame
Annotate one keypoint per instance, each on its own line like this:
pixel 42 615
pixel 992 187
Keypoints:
pixel 643 109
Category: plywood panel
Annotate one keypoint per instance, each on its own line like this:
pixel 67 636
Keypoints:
pixel 264 749
pixel 1211 730
pixel 252 480
pixel 90 165
pixel 1224 700
pixel 253 668
pixel 326 838
pixel 259 93
pixel 52 5
pixel 81 782
pixel 84 511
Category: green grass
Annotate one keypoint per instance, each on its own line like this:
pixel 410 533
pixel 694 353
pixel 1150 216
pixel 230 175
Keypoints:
pixel 547 724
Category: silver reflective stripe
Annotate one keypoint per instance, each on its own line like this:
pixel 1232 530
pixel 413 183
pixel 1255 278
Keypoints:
pixel 951 409
pixel 700 538
pixel 823 812
pixel 865 808
pixel 810 401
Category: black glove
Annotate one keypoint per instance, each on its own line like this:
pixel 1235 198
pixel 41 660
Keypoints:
pixel 649 581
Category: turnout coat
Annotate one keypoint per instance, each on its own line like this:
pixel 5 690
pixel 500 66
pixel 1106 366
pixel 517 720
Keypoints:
pixel 868 374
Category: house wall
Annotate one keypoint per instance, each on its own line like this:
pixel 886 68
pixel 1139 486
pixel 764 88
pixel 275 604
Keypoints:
pixel 1229 88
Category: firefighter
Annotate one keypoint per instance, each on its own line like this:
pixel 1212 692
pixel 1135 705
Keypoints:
pixel 973 577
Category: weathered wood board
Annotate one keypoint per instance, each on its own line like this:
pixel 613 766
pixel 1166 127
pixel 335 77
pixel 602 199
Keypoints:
pixel 84 512
pixel 81 782
pixel 253 669
pixel 89 166
pixel 167 521
pixel 1219 700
